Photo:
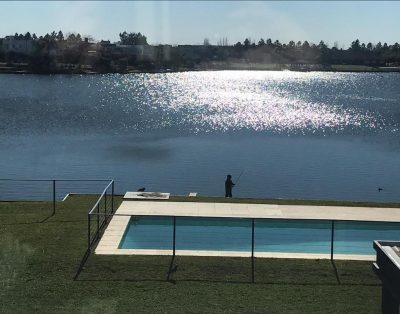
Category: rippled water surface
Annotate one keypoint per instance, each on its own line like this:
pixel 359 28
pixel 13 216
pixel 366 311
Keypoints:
pixel 292 135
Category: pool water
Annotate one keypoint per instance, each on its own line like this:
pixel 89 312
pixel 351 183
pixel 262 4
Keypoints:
pixel 270 235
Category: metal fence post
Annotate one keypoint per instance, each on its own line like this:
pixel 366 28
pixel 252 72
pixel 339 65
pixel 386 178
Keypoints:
pixel 105 207
pixel 112 196
pixel 332 238
pixel 174 237
pixel 252 250
pixel 89 242
pixel 98 220
pixel 54 197
pixel 172 270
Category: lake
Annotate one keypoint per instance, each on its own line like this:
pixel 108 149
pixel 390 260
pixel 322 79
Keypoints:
pixel 293 135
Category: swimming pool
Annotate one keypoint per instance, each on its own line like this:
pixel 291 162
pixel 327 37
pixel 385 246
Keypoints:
pixel 270 235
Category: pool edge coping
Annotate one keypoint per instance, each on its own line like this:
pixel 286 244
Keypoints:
pixel 109 244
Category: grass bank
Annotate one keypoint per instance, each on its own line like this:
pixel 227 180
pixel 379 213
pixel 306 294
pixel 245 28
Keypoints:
pixel 40 254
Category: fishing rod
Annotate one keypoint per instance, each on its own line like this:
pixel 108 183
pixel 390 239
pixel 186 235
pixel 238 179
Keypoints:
pixel 239 177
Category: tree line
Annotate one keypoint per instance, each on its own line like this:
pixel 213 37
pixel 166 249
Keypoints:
pixel 125 37
pixel 304 52
pixel 53 36
pixel 55 48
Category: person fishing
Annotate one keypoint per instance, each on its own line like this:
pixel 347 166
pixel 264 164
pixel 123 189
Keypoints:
pixel 228 186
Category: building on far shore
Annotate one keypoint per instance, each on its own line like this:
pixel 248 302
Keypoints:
pixel 13 44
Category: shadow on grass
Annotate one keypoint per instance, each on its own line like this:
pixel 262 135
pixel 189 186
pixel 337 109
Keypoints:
pixel 28 222
pixel 172 270
pixel 82 264
pixel 48 217
pixel 224 271
pixel 174 281
pixel 44 220
pixel 336 271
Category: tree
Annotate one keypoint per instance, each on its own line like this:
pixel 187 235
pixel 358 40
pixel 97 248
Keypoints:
pixel 396 47
pixel 34 37
pixel 355 45
pixel 206 42
pixel 28 36
pixel 261 42
pixel 132 38
pixel 277 44
pixel 53 36
pixel 74 38
pixel 71 37
pixel 246 42
pixel 60 36
pixel 123 37
pixel 322 45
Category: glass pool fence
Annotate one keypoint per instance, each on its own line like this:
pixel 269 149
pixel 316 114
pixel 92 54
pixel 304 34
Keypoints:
pixel 246 237
pixel 259 236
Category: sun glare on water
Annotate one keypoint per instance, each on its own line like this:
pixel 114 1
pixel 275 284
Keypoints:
pixel 284 101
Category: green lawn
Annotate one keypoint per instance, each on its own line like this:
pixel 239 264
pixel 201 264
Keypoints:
pixel 39 257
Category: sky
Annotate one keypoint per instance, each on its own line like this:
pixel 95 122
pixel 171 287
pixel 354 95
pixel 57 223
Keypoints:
pixel 190 22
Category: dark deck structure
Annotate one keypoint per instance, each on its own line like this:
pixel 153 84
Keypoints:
pixel 387 267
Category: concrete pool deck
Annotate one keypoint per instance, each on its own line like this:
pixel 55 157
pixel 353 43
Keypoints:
pixel 112 236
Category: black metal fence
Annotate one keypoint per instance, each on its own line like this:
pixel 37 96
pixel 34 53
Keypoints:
pixel 100 214
pixel 49 190
pixel 54 190
pixel 98 217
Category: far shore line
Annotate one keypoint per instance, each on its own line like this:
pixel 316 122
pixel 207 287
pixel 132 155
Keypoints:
pixel 18 69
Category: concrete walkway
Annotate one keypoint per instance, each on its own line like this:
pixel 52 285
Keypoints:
pixel 194 209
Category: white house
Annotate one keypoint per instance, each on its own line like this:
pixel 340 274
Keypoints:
pixel 12 44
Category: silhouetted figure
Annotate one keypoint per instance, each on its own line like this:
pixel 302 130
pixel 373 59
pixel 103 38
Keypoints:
pixel 228 186
pixel 141 189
